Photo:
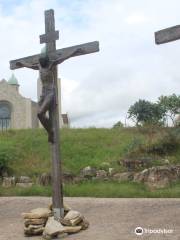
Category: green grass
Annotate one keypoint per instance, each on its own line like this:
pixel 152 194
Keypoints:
pixel 31 191
pixel 79 148
pixel 29 154
pixel 98 189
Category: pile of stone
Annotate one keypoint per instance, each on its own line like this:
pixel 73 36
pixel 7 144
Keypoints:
pixel 23 181
pixel 41 222
pixel 159 176
pixel 35 221
pixel 87 173
pixel 9 182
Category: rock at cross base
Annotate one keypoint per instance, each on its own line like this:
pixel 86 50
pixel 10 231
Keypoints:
pixel 84 224
pixel 72 229
pixel 73 217
pixel 37 213
pixel 54 228
pixel 32 230
pixel 62 235
pixel 40 221
pixel 35 221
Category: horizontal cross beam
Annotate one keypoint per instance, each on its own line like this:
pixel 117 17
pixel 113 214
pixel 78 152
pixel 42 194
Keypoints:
pixel 86 48
pixel 30 60
pixel 167 35
pixel 50 36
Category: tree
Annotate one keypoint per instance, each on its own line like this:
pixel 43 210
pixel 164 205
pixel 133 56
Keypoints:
pixel 146 113
pixel 119 124
pixel 171 105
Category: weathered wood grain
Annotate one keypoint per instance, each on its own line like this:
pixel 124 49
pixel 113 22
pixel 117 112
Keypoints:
pixel 30 59
pixel 167 35
pixel 57 198
pixel 86 48
pixel 51 36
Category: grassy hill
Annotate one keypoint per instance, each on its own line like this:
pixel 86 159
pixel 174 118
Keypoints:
pixel 30 153
pixel 27 153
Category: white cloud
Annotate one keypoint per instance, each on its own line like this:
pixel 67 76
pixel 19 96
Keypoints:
pixel 136 19
pixel 97 89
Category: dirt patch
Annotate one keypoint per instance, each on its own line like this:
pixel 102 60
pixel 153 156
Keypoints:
pixel 110 219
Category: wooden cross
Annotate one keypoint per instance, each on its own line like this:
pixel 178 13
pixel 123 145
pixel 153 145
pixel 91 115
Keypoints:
pixel 167 35
pixel 49 38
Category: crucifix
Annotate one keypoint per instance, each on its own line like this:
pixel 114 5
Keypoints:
pixel 167 35
pixel 48 113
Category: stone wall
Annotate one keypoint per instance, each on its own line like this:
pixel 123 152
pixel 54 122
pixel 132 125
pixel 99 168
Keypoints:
pixel 24 110
pixel 21 108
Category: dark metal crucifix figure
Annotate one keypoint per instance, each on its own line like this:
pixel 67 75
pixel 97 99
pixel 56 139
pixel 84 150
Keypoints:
pixel 47 66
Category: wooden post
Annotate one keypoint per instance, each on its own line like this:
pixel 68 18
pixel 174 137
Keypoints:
pixel 49 39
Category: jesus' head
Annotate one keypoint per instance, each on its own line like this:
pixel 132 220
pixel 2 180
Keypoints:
pixel 44 61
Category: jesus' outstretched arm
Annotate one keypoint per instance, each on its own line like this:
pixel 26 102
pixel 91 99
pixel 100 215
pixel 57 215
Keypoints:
pixel 62 59
pixel 24 64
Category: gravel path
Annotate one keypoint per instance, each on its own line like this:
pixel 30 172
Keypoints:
pixel 110 219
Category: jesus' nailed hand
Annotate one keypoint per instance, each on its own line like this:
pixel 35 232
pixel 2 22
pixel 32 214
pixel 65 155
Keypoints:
pixel 45 62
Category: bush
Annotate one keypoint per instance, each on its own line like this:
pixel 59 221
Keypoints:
pixel 133 147
pixel 167 143
pixel 7 155
pixel 118 125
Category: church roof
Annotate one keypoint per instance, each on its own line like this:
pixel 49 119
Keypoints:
pixel 13 80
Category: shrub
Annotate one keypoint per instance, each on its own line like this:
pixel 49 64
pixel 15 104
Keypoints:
pixel 118 125
pixel 134 148
pixel 7 155
pixel 167 143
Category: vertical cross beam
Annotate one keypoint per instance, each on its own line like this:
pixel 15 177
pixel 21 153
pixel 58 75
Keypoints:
pixel 50 38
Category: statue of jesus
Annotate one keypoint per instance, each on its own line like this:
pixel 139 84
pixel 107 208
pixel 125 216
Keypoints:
pixel 45 67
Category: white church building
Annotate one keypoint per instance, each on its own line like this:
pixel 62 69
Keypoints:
pixel 18 112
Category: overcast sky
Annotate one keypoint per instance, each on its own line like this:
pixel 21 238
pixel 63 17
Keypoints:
pixel 97 89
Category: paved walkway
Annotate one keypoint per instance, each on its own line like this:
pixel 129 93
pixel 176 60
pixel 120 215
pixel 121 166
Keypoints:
pixel 110 219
